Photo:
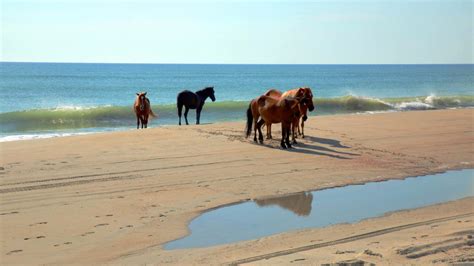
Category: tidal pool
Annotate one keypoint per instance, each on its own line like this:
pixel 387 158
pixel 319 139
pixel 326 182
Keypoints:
pixel 349 204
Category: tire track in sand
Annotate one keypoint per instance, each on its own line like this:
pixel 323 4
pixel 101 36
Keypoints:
pixel 346 239
pixel 72 179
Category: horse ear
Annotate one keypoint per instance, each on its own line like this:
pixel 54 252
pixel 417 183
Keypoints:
pixel 137 93
pixel 144 94
pixel 300 92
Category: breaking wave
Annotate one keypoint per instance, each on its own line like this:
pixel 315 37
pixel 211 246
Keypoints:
pixel 70 117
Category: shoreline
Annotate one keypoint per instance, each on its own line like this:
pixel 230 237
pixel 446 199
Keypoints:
pixel 75 120
pixel 157 180
pixel 22 136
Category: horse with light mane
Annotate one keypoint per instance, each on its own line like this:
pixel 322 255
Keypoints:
pixel 272 111
pixel 306 104
pixel 142 109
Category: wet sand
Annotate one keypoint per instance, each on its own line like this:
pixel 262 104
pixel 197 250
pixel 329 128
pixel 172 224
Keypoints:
pixel 117 197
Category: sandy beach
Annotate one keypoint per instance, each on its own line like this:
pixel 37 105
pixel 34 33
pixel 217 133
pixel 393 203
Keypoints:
pixel 118 197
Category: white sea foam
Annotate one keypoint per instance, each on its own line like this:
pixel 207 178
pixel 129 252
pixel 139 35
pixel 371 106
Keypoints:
pixel 39 136
pixel 406 106
pixel 77 108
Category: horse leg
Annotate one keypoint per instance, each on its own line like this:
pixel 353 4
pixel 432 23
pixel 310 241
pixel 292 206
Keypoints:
pixel 198 115
pixel 142 119
pixel 260 134
pixel 287 137
pixel 302 128
pixel 180 109
pixel 283 131
pixel 298 125
pixel 293 127
pixel 146 120
pixel 186 110
pixel 255 123
pixel 269 130
pixel 138 121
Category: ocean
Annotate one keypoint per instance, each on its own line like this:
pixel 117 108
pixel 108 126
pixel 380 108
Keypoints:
pixel 40 100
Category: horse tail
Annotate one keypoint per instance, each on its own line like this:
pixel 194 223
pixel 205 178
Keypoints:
pixel 148 105
pixel 248 128
pixel 152 114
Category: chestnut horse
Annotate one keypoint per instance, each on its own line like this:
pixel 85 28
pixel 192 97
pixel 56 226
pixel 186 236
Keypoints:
pixel 142 109
pixel 272 111
pixel 306 103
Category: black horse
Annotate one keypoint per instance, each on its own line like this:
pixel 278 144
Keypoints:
pixel 192 100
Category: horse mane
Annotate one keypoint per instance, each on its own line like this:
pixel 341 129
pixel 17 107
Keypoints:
pixel 264 98
pixel 207 91
pixel 291 101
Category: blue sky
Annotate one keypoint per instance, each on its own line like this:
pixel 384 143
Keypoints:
pixel 271 32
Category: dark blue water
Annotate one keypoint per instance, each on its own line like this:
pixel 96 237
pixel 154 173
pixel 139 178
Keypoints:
pixel 38 98
pixel 350 204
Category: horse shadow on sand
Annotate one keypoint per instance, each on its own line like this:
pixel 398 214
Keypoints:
pixel 333 142
pixel 310 147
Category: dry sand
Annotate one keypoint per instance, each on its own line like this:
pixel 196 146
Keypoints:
pixel 117 197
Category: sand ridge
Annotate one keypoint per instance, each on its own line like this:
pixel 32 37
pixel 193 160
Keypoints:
pixel 117 197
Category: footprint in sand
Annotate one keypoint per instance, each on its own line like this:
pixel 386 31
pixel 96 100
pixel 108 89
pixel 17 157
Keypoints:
pixel 6 213
pixel 39 237
pixel 97 225
pixel 67 243
pixel 126 226
pixel 297 260
pixel 14 251
pixel 87 233
pixel 38 223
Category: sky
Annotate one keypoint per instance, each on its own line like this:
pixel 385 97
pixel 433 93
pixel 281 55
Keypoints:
pixel 233 32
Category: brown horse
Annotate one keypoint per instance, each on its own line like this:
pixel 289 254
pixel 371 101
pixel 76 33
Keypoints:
pixel 274 93
pixel 142 109
pixel 272 111
pixel 306 103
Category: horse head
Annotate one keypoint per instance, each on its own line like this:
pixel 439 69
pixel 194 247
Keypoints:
pixel 141 100
pixel 210 93
pixel 307 95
